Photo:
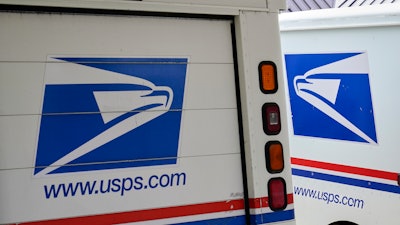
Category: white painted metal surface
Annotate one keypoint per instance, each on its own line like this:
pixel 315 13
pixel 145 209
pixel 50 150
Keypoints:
pixel 338 176
pixel 124 112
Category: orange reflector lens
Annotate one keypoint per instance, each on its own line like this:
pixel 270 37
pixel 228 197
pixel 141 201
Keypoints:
pixel 268 77
pixel 274 157
pixel 277 199
pixel 271 118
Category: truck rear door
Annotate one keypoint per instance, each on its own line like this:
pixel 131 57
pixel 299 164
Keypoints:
pixel 118 118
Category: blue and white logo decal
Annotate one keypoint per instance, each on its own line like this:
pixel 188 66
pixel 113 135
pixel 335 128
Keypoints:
pixel 108 113
pixel 330 96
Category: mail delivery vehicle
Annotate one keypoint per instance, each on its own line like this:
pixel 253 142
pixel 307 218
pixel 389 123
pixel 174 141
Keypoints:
pixel 342 80
pixel 143 112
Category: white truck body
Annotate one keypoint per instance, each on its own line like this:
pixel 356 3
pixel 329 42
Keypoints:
pixel 140 112
pixel 342 82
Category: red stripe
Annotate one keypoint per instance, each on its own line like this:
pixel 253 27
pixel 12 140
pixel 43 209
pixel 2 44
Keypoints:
pixel 151 214
pixel 160 213
pixel 256 203
pixel 346 169
pixel 290 198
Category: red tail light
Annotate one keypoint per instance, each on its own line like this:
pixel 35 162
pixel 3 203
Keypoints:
pixel 277 194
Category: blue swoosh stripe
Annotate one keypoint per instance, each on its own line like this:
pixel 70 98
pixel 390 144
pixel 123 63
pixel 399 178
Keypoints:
pixel 235 220
pixel 346 180
pixel 272 217
pixel 264 218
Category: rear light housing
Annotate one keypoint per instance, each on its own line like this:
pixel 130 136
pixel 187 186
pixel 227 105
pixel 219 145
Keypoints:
pixel 271 118
pixel 271 122
pixel 277 198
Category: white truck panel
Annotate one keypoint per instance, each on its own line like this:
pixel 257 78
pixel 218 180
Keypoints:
pixel 30 192
pixel 142 112
pixel 337 166
pixel 210 99
pixel 116 35
pixel 252 87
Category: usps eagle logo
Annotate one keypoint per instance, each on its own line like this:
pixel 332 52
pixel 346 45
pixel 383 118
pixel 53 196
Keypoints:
pixel 330 96
pixel 108 113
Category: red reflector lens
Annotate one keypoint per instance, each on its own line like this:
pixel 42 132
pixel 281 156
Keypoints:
pixel 277 194
pixel 271 118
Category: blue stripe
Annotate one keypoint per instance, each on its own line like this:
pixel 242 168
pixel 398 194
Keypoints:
pixel 234 220
pixel 121 60
pixel 272 217
pixel 347 180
